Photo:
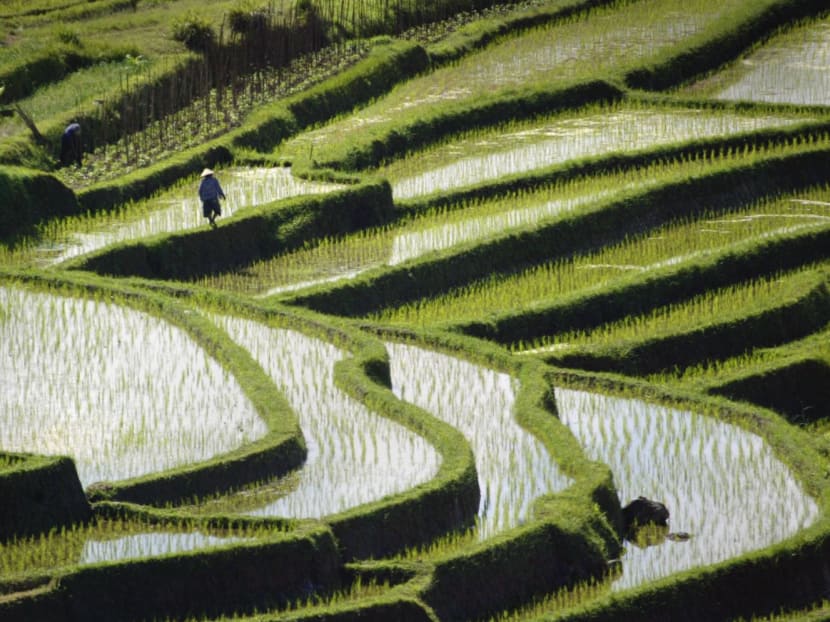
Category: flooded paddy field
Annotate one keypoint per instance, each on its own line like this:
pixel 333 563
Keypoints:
pixel 525 147
pixel 355 456
pixel 121 392
pixel 722 484
pixel 792 68
pixel 514 468
pixel 125 393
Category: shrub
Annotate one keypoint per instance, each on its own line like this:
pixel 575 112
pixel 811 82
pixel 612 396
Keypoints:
pixel 195 32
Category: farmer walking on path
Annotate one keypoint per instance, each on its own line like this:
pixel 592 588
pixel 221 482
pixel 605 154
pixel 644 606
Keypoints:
pixel 210 192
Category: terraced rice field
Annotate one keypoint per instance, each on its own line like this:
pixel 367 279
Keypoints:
pixel 122 392
pixel 430 394
pixel 793 68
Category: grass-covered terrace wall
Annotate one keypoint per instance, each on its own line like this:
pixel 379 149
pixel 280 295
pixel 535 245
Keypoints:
pixel 704 54
pixel 797 315
pixel 798 388
pixel 606 222
pixel 39 493
pixel 636 295
pixel 267 572
pixel 30 197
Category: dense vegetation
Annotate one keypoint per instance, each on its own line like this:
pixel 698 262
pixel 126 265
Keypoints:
pixel 485 273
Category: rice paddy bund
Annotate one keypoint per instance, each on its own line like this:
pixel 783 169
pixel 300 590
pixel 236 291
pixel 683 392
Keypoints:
pixel 792 68
pixel 123 393
pixel 722 484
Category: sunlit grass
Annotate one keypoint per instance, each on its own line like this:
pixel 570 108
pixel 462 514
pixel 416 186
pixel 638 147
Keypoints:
pixel 710 371
pixel 121 392
pixel 671 244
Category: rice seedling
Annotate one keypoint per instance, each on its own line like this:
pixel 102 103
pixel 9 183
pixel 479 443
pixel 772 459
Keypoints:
pixel 176 210
pixel 355 456
pixel 721 483
pixel 521 147
pixel 514 468
pixel 123 393
pixel 714 305
pixel 791 68
pixel 110 541
pixel 668 245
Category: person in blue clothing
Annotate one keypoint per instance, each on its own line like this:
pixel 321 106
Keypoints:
pixel 210 192
pixel 71 145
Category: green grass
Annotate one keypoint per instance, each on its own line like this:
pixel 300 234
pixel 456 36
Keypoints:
pixel 711 372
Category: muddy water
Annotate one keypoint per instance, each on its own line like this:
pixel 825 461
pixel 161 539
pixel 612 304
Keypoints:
pixel 721 483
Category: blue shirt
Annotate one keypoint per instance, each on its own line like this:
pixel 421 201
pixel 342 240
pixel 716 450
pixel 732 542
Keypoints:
pixel 209 188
